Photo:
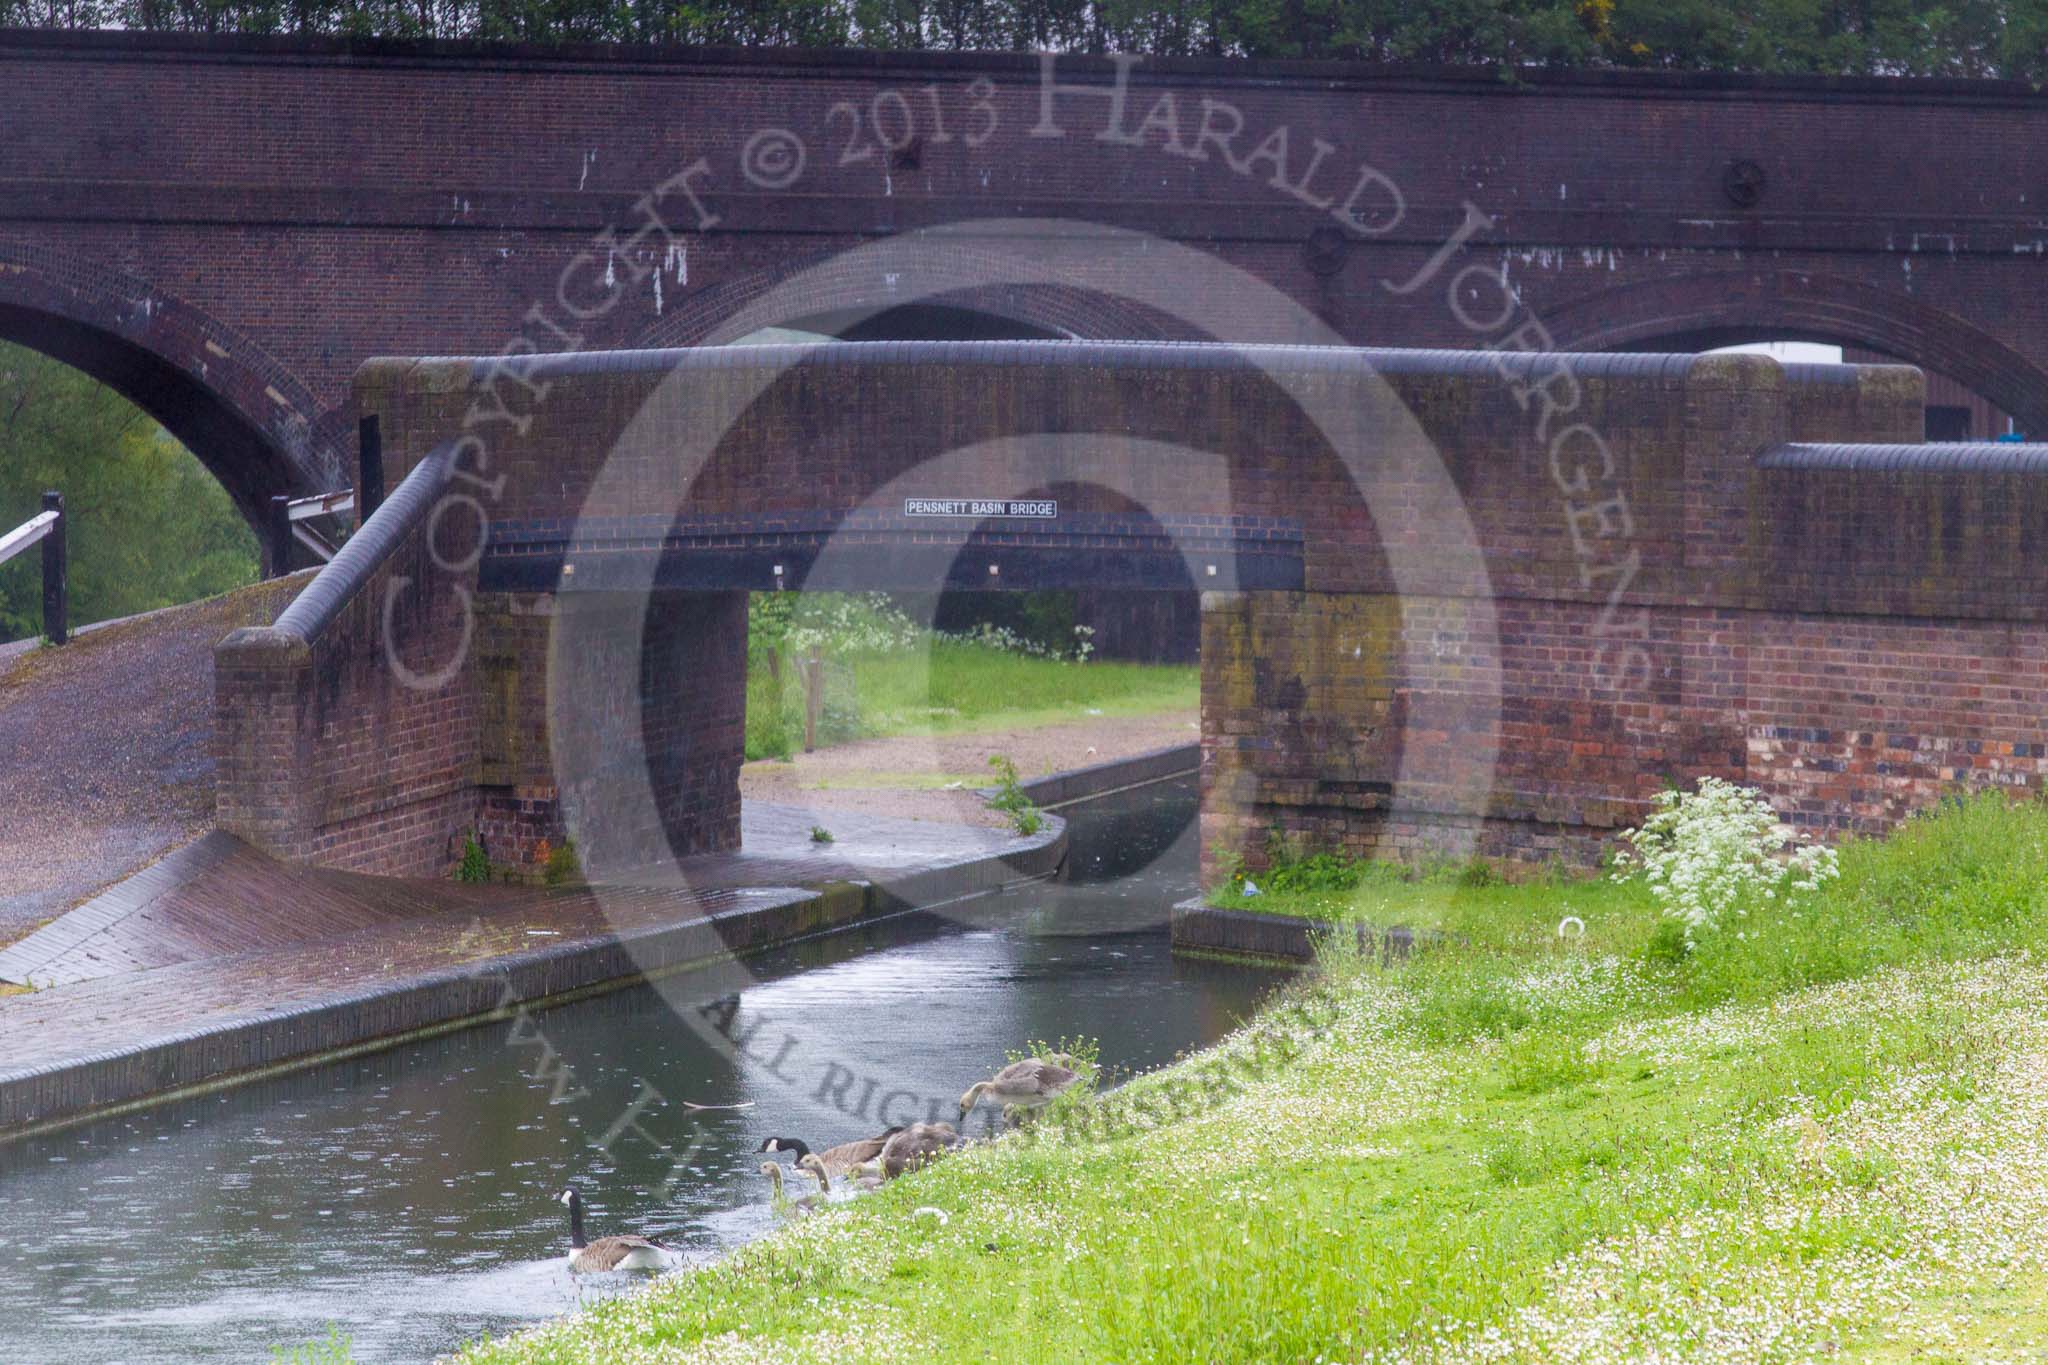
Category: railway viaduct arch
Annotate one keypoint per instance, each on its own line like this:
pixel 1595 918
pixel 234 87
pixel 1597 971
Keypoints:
pixel 224 228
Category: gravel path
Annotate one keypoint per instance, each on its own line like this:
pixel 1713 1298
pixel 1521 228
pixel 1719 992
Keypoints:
pixel 108 742
pixel 905 776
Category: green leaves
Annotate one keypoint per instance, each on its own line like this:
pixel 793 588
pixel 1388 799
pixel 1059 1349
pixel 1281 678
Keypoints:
pixel 1010 797
pixel 1873 37
pixel 149 526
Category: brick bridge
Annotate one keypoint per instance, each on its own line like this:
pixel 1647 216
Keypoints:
pixel 224 228
pixel 1438 612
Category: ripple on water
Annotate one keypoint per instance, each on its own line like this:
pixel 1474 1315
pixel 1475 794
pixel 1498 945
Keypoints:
pixel 406 1196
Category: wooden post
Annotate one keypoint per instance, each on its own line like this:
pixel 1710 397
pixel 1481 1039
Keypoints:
pixel 814 696
pixel 56 584
pixel 369 467
pixel 277 549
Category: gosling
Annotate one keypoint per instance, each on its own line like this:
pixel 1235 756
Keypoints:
pixel 807 1203
pixel 1030 1084
pixel 815 1164
pixel 918 1145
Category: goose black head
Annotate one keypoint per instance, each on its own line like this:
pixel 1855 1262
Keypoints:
pixel 783 1144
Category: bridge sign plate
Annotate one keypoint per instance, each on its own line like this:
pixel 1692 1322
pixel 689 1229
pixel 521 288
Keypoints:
pixel 981 507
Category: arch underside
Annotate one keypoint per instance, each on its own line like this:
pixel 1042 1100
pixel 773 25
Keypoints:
pixel 1729 307
pixel 1684 312
pixel 851 306
pixel 254 426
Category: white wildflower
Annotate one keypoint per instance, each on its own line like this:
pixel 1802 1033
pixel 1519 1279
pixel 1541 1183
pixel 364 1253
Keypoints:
pixel 1711 852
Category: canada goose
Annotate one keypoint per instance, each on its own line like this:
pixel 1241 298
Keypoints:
pixel 623 1252
pixel 807 1203
pixel 867 1176
pixel 838 1160
pixel 1030 1084
pixel 918 1145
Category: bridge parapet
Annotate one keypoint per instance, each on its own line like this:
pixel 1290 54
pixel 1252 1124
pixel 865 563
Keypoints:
pixel 346 732
pixel 613 448
pixel 1673 578
pixel 1934 530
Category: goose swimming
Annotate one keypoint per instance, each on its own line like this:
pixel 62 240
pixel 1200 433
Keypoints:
pixel 622 1251
pixel 838 1160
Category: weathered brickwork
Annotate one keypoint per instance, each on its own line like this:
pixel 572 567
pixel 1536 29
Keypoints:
pixel 327 757
pixel 678 738
pixel 288 208
pixel 683 736
pixel 1681 581
pixel 519 806
pixel 347 733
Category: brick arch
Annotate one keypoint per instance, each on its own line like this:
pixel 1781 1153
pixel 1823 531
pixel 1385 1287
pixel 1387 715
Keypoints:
pixel 1726 307
pixel 1077 314
pixel 247 419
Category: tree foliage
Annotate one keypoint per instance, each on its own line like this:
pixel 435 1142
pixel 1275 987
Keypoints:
pixel 147 526
pixel 1842 37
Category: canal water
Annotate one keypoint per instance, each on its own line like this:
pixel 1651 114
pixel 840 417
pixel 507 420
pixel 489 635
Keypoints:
pixel 404 1197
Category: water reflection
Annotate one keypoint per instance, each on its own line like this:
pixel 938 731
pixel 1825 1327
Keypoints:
pixel 404 1195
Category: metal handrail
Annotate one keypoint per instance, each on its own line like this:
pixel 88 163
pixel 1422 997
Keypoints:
pixel 349 571
pixel 26 534
pixel 46 526
pixel 285 530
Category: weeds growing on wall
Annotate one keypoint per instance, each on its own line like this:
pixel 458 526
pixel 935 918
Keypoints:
pixel 558 863
pixel 474 866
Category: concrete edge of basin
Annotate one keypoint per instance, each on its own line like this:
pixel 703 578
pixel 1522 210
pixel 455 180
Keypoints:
pixel 1098 779
pixel 266 1041
pixel 1254 934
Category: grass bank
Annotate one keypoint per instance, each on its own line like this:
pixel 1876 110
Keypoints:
pixel 1820 1133
pixel 1449 898
pixel 949 687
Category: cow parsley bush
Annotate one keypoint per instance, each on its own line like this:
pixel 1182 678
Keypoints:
pixel 850 623
pixel 1008 641
pixel 1719 851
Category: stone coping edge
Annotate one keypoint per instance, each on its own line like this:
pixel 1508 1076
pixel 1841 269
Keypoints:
pixel 1097 779
pixel 1201 928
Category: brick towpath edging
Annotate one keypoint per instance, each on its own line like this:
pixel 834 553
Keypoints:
pixel 101 1046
